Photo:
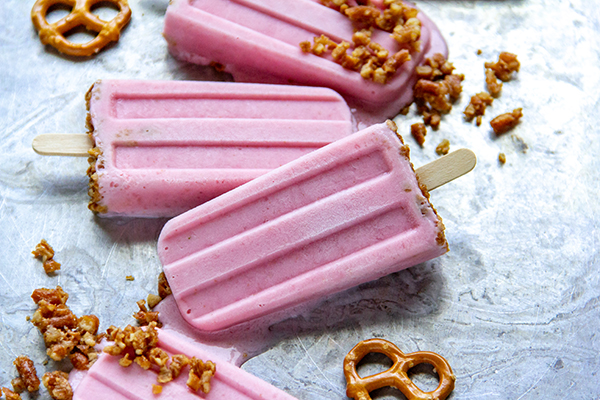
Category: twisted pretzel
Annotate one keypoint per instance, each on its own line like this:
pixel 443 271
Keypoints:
pixel 53 34
pixel 396 376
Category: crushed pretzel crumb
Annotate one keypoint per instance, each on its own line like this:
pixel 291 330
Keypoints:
pixel 418 131
pixel 477 106
pixel 369 58
pixel 156 389
pixel 129 278
pixel 493 86
pixel 10 395
pixel 153 300
pixel 505 66
pixel 64 334
pixel 437 89
pixel 200 374
pixel 45 253
pixel 443 148
pixel 27 373
pixel 505 122
pixel 58 385
pixel 144 316
pixel 164 289
pixel 18 385
pixel 502 158
pixel 94 162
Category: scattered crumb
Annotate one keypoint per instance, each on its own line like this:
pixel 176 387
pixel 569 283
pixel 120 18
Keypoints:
pixel 58 385
pixel 437 89
pixel 477 106
pixel 153 300
pixel 156 389
pixel 145 317
pixel 200 374
pixel 505 66
pixel 493 86
pixel 502 158
pixel 443 148
pixel 28 378
pixel 45 253
pixel 164 289
pixel 10 395
pixel 505 122
pixel 479 52
pixel 130 278
pixel 418 131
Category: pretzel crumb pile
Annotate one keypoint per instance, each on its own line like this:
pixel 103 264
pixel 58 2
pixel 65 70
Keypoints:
pixel 45 253
pixel 437 89
pixel 65 335
pixel 371 59
pixel 139 345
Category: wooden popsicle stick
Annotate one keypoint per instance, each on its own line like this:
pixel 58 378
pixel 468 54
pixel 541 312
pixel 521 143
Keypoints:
pixel 60 144
pixel 447 168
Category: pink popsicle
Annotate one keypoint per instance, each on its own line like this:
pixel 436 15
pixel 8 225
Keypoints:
pixel 106 379
pixel 343 215
pixel 167 147
pixel 258 41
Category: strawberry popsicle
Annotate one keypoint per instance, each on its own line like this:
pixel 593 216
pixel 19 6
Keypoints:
pixel 259 41
pixel 106 379
pixel 161 148
pixel 343 215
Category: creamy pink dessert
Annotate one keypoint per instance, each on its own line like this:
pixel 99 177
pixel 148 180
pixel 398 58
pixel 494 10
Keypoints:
pixel 259 41
pixel 106 379
pixel 340 216
pixel 162 148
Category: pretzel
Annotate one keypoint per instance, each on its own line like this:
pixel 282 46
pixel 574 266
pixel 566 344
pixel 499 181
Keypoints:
pixel 396 376
pixel 53 34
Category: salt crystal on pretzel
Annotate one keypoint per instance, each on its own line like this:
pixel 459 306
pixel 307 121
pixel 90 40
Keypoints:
pixel 80 15
pixel 396 376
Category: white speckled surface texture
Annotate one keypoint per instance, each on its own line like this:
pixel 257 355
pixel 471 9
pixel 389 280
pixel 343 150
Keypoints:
pixel 514 306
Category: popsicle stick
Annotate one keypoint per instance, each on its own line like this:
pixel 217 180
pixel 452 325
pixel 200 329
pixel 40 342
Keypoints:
pixel 59 144
pixel 447 168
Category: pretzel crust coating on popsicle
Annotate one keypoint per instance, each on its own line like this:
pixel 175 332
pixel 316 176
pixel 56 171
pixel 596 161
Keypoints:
pixel 80 15
pixel 95 153
pixel 405 152
pixel 396 376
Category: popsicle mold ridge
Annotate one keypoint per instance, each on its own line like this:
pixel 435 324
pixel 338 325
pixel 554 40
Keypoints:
pixel 258 41
pixel 343 215
pixel 162 148
pixel 106 379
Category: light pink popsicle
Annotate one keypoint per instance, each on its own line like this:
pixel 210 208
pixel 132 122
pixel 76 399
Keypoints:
pixel 170 146
pixel 343 215
pixel 258 41
pixel 106 379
